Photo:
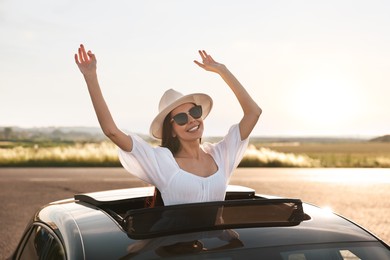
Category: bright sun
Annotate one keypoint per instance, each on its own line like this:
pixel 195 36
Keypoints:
pixel 324 101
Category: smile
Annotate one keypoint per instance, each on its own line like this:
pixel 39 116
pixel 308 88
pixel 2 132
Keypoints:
pixel 193 129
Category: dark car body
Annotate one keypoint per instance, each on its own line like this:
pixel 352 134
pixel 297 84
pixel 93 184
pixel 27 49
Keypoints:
pixel 116 225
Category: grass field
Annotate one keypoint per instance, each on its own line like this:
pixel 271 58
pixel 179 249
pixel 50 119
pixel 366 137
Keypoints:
pixel 293 154
pixel 102 154
pixel 340 154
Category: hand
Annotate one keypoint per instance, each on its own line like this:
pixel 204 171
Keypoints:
pixel 209 63
pixel 86 61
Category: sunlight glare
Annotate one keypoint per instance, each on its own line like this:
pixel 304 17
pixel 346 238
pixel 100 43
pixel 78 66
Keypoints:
pixel 327 210
pixel 352 176
pixel 321 100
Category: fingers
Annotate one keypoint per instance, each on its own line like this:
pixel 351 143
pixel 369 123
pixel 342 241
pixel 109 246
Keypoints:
pixel 83 53
pixel 84 56
pixel 76 58
pixel 204 55
pixel 206 58
pixel 91 56
pixel 199 64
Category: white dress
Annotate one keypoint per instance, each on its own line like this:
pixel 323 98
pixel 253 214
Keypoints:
pixel 157 166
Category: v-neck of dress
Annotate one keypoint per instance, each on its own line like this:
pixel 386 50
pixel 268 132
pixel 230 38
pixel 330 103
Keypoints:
pixel 193 174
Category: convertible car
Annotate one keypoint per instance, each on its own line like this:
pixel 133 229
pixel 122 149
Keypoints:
pixel 120 224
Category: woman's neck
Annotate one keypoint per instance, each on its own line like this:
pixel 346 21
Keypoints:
pixel 189 150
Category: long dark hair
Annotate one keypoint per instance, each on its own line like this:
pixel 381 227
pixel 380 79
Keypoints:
pixel 173 144
pixel 167 140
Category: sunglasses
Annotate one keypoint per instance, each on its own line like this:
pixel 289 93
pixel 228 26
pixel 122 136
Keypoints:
pixel 182 118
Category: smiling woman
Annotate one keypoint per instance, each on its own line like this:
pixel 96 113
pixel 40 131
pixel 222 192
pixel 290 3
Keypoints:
pixel 183 169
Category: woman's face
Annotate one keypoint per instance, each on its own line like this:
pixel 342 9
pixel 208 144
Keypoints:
pixel 192 130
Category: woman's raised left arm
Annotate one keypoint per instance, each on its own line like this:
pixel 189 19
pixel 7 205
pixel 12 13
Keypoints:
pixel 251 110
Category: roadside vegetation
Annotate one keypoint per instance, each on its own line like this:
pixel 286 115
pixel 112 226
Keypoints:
pixel 101 154
pixel 76 147
pixel 361 154
pixel 104 154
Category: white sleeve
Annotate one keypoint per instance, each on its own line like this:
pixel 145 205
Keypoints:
pixel 230 150
pixel 154 165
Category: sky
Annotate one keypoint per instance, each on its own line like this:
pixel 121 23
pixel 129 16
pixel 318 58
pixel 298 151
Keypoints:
pixel 316 68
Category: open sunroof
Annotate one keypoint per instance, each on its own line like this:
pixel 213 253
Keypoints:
pixel 195 217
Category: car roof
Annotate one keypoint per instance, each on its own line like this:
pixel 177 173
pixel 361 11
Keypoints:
pixel 88 225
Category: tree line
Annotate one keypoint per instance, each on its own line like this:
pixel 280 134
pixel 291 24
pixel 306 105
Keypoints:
pixel 15 134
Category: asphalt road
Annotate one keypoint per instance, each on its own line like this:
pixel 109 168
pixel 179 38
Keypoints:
pixel 359 194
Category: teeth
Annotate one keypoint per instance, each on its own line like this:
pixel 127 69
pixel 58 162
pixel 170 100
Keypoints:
pixel 193 129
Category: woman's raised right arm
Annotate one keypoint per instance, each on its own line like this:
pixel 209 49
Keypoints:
pixel 86 61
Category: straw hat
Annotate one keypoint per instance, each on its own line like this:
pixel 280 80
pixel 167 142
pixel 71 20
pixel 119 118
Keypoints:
pixel 172 99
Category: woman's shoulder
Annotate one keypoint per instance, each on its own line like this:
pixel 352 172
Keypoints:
pixel 147 153
pixel 142 144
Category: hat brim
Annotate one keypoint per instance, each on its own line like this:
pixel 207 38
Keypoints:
pixel 198 98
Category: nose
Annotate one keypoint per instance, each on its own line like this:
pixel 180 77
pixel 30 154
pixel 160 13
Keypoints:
pixel 190 118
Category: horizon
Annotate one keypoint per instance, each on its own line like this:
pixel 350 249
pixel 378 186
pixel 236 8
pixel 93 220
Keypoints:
pixel 97 130
pixel 315 68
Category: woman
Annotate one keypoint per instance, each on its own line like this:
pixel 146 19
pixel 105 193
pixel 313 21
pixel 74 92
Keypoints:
pixel 183 169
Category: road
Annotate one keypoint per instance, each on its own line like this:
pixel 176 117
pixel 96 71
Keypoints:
pixel 359 194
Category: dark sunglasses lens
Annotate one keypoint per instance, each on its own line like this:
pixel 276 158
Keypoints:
pixel 181 118
pixel 196 112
